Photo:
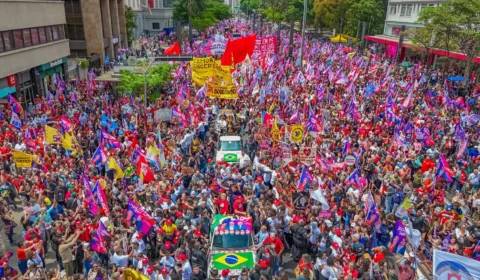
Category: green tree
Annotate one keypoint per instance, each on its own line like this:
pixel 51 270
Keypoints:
pixel 370 11
pixel 157 77
pixel 130 23
pixel 332 13
pixel 457 25
pixel 248 6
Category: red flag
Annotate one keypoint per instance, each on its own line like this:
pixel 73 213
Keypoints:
pixel 150 4
pixel 143 170
pixel 175 49
pixel 238 49
pixel 268 120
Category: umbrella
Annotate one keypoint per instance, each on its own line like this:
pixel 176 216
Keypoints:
pixel 406 64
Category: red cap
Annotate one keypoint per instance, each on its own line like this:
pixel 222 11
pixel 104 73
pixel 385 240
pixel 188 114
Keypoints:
pixel 145 260
pixel 169 221
pixel 338 232
pixel 276 202
pixel 139 236
pixel 296 219
pixel 160 230
pixel 262 264
pixel 468 251
pixel 168 246
pixel 185 206
pixel 150 269
pixel 182 257
pixel 335 245
pixel 225 272
pixel 164 271
pixel 179 214
pixel 197 233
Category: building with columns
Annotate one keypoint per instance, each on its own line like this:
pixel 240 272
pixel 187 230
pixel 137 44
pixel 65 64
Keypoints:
pixel 96 29
pixel 152 16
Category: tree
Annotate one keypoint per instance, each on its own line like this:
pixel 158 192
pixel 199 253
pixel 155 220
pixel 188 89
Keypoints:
pixel 157 77
pixel 204 13
pixel 457 25
pixel 331 12
pixel 370 11
pixel 130 23
pixel 248 6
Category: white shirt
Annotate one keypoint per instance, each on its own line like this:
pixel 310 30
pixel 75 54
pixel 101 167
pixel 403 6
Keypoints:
pixel 20 146
pixel 243 160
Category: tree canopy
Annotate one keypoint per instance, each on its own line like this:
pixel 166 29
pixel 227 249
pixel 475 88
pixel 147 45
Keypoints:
pixel 157 77
pixel 204 13
pixel 130 23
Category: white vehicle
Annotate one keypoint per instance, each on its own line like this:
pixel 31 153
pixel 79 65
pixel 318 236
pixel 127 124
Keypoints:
pixel 229 149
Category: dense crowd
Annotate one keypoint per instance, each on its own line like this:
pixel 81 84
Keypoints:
pixel 395 150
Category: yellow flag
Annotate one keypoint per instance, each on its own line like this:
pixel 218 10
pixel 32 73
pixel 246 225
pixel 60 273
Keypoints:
pixel 22 160
pixel 76 146
pixel 67 142
pixel 112 164
pixel 275 132
pixel 407 204
pixel 296 134
pixel 52 135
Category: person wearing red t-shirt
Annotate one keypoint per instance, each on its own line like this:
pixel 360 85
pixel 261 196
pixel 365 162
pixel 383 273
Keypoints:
pixel 238 205
pixel 9 135
pixel 5 151
pixel 349 270
pixel 223 205
pixel 277 245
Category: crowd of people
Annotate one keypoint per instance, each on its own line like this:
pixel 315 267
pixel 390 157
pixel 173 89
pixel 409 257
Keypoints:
pixel 394 151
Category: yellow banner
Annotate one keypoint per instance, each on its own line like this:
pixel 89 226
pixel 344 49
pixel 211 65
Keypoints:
pixel 296 134
pixel 52 135
pixel 206 67
pixel 22 160
pixel 222 92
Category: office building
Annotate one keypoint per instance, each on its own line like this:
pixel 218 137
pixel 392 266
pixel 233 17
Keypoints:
pixel 33 47
pixel 96 29
pixel 152 16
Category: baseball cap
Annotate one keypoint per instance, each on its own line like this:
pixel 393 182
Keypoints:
pixel 335 245
pixel 150 270
pixel 164 271
pixel 145 260
pixel 225 272
pixel 168 246
pixel 448 207
pixel 182 257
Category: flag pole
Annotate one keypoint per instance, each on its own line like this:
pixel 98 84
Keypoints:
pixel 303 30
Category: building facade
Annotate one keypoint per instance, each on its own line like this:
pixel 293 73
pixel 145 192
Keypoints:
pixel 96 29
pixel 152 16
pixel 33 47
pixel 405 12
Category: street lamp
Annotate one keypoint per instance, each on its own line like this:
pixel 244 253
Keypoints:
pixel 303 30
pixel 145 82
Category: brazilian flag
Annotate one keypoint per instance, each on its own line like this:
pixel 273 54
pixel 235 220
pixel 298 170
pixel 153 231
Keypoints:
pixel 233 260
pixel 230 157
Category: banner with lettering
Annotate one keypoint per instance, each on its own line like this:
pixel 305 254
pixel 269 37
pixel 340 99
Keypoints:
pixel 214 48
pixel 265 47
pixel 205 68
pixel 22 160
pixel 222 92
pixel 306 155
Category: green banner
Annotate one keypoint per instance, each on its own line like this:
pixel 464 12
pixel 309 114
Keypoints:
pixel 230 157
pixel 233 260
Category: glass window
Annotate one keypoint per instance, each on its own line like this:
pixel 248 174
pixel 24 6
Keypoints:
pixel 7 40
pixel 18 39
pixel 409 10
pixel 55 33
pixel 2 49
pixel 42 35
pixel 35 39
pixel 403 10
pixel 61 32
pixel 27 38
pixel 155 25
pixel 157 4
pixel 168 3
pixel 393 9
pixel 48 30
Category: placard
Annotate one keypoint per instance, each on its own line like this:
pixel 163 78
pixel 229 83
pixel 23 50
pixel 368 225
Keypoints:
pixel 350 160
pixel 265 47
pixel 325 214
pixel 306 155
pixel 162 115
pixel 222 92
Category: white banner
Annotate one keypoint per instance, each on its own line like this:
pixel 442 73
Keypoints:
pixel 447 266
pixel 318 196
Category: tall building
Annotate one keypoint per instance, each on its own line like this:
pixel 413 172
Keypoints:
pixel 96 29
pixel 33 47
pixel 152 16
pixel 405 12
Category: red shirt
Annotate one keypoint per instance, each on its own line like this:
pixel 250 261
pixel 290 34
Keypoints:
pixel 277 243
pixel 354 272
pixel 223 206
pixel 238 206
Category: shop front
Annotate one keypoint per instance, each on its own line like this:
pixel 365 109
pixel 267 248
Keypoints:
pixel 7 86
pixel 48 72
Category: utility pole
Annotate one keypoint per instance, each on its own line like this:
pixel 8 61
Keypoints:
pixel 290 44
pixel 304 23
pixel 400 44
pixel 362 39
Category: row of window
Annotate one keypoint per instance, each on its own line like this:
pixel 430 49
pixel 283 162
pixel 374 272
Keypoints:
pixel 27 37
pixel 407 9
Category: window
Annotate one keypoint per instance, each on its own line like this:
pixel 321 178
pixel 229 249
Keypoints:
pixel 409 10
pixel 42 35
pixel 35 39
pixel 168 3
pixel 157 4
pixel 393 9
pixel 2 49
pixel 7 40
pixel 55 33
pixel 27 38
pixel 403 9
pixel 48 30
pixel 61 32
pixel 18 39
pixel 155 25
